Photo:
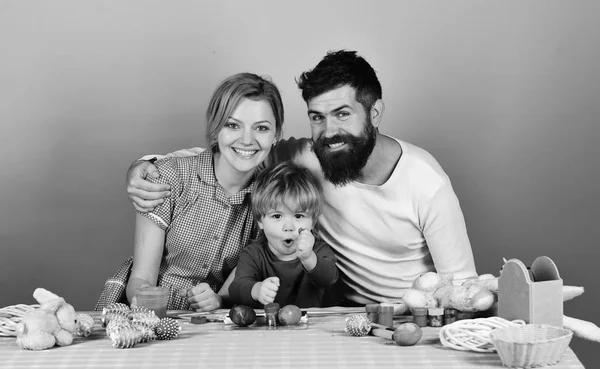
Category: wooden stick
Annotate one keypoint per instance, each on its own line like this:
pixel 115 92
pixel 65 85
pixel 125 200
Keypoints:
pixel 381 331
pixel 570 292
pixel 582 329
pixel 260 312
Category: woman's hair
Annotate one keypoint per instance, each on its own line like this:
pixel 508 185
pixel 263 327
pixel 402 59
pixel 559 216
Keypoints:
pixel 231 92
pixel 289 185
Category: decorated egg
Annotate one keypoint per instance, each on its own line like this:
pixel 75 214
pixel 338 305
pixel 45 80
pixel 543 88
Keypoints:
pixel 242 315
pixel 289 315
pixel 407 334
pixel 167 329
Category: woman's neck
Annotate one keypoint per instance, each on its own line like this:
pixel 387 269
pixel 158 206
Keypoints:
pixel 232 181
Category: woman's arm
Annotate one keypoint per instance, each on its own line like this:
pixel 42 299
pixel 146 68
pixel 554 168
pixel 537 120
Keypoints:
pixel 148 248
pixel 224 291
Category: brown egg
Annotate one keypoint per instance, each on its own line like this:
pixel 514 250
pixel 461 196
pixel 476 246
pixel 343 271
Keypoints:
pixel 407 334
pixel 290 315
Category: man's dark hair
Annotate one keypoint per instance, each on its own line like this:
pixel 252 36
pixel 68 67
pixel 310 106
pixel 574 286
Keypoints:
pixel 342 68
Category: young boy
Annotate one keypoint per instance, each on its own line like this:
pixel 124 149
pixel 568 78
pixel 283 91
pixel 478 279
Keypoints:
pixel 286 264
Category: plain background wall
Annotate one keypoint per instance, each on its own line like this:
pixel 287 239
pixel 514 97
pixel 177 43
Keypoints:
pixel 505 94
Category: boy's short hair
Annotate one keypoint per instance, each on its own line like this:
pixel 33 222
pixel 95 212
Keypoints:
pixel 289 184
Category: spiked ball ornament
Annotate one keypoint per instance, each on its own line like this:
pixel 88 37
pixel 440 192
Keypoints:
pixel 167 329
pixel 84 326
pixel 358 325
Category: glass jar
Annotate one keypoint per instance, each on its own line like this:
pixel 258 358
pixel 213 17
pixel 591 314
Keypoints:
pixel 386 316
pixel 420 316
pixel 271 311
pixel 436 317
pixel 450 316
pixel 372 311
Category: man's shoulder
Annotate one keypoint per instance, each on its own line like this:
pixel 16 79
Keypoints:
pixel 419 170
pixel 419 157
pixel 410 149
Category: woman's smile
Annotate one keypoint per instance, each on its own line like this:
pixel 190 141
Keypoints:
pixel 245 153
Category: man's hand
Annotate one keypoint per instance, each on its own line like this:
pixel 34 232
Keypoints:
pixel 144 194
pixel 202 298
pixel 265 291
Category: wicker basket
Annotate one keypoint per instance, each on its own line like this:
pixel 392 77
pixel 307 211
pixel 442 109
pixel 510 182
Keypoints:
pixel 10 316
pixel 531 345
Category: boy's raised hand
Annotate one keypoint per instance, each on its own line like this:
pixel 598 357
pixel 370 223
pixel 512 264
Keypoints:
pixel 304 244
pixel 266 290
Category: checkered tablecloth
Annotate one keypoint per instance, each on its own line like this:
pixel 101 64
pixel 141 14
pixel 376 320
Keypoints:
pixel 323 344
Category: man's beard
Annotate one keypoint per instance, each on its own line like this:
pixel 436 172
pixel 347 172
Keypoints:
pixel 341 167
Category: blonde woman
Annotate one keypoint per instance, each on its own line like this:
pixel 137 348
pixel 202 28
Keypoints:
pixel 191 241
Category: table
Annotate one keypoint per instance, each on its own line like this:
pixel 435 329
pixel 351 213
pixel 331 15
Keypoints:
pixel 322 343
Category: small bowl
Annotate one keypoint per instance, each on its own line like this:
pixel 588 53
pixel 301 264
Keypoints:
pixel 531 345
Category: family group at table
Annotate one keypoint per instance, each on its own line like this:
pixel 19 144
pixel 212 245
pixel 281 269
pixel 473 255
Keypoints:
pixel 347 217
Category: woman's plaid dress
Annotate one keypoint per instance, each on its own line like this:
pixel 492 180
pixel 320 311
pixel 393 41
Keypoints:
pixel 204 231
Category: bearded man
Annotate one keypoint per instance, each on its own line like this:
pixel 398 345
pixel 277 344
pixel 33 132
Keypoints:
pixel 390 211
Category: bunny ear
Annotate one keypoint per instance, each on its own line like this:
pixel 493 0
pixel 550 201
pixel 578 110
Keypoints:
pixel 53 305
pixel 42 295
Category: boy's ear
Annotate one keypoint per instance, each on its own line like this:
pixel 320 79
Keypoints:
pixel 260 225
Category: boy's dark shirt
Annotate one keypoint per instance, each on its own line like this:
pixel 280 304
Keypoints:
pixel 296 285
